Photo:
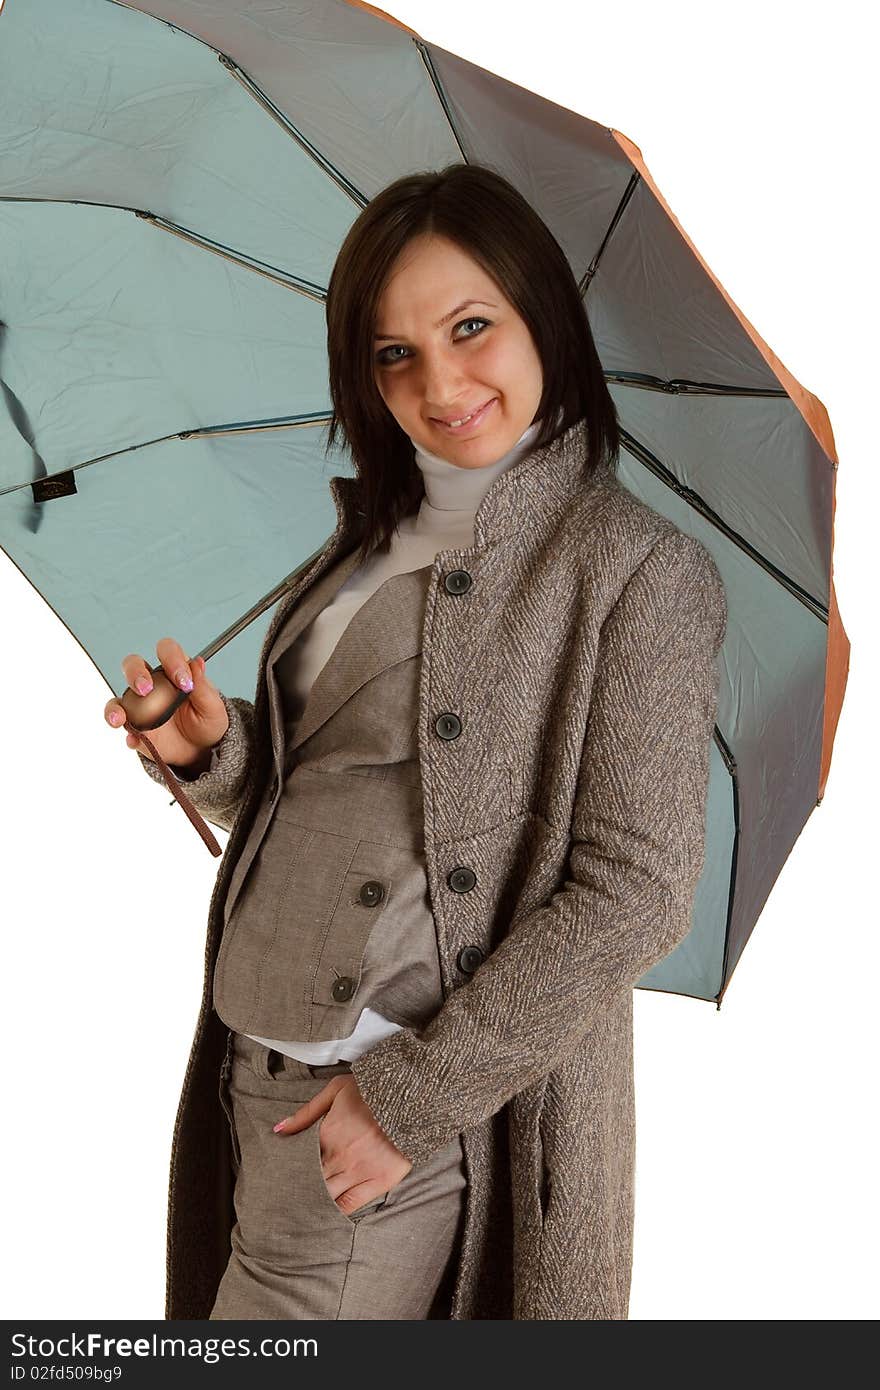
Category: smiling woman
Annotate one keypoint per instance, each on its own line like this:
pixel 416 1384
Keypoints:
pixel 406 366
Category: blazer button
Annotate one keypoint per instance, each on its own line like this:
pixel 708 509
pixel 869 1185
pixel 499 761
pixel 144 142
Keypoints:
pixel 457 582
pixel 469 958
pixel 343 988
pixel 371 893
pixel 461 879
pixel 448 725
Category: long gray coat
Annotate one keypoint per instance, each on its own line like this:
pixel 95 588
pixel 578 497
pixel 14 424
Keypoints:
pixel 582 664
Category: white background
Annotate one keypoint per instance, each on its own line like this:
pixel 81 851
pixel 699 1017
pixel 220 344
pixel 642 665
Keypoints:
pixel 757 1156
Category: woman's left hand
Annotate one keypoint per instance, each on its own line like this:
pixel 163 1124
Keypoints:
pixel 358 1160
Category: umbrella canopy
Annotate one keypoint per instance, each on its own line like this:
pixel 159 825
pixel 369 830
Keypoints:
pixel 176 178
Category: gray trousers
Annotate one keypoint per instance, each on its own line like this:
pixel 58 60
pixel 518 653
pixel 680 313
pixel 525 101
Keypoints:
pixel 294 1253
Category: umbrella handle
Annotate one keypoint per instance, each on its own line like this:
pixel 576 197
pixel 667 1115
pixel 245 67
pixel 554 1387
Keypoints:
pixel 155 709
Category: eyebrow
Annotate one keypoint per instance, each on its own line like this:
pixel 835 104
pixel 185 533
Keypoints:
pixel 390 337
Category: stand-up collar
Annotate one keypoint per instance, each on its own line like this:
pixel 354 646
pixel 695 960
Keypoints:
pixel 524 497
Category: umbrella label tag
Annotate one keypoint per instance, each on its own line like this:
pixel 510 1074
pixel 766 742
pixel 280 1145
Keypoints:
pixel 59 485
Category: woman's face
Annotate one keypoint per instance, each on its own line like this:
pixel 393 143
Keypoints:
pixel 428 372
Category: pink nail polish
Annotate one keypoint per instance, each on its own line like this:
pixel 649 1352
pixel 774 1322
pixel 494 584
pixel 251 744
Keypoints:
pixel 280 1125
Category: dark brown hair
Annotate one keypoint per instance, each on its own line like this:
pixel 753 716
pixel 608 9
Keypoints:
pixel 492 222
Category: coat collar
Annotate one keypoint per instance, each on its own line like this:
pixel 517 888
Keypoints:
pixel 524 500
pixel 523 503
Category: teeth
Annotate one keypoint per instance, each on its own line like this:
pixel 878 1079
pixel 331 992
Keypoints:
pixel 453 424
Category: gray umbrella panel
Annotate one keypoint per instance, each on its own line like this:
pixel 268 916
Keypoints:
pixel 176 178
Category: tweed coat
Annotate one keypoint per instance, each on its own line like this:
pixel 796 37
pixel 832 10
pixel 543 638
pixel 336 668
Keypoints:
pixel 582 663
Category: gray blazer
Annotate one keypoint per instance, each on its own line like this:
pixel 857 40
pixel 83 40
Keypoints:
pixel 567 698
pixel 328 908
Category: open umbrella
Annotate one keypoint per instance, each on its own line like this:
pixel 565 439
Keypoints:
pixel 176 177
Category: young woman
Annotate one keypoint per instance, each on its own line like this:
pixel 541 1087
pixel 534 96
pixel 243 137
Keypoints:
pixel 466 811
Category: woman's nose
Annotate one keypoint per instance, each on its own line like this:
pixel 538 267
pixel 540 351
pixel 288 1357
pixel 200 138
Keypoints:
pixel 443 385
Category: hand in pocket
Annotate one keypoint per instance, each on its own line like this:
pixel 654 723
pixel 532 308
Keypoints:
pixel 358 1160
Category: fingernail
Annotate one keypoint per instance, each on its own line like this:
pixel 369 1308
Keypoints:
pixel 184 680
pixel 143 685
pixel 115 717
pixel 280 1125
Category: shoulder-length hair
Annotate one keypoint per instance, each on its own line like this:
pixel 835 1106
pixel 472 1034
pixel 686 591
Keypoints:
pixel 492 222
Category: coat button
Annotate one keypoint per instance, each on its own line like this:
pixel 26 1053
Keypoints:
pixel 457 582
pixel 469 958
pixel 371 893
pixel 343 988
pixel 448 725
pixel 461 879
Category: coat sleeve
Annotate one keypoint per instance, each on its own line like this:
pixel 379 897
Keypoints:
pixel 636 854
pixel 216 793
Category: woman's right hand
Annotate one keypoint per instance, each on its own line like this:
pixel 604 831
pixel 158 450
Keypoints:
pixel 198 723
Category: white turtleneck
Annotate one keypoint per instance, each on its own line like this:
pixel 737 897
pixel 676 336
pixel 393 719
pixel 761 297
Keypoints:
pixel 444 521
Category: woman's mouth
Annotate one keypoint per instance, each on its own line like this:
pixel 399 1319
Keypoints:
pixel 469 425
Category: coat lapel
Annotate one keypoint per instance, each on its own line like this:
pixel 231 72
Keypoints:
pixel 292 622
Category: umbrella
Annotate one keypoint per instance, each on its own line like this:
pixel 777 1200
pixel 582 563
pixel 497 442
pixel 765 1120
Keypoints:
pixel 176 177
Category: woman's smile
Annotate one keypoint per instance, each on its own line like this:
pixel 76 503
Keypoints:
pixel 472 423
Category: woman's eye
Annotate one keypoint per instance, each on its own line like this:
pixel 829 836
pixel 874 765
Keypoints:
pixel 384 360
pixel 464 321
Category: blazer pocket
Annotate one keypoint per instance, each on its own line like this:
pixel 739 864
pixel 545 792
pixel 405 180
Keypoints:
pixel 362 896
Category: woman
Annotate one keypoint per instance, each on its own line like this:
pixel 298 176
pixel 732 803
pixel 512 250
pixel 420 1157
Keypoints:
pixel 466 812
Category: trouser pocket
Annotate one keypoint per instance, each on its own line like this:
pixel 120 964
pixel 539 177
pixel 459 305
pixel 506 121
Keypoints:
pixel 375 1205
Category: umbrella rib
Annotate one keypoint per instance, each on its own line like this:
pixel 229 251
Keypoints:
pixel 679 385
pixel 632 185
pixel 260 606
pixel 693 499
pixel 204 243
pixel 441 95
pixel 217 248
pixel 323 163
pixel 255 426
pixel 266 102
pixel 203 431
